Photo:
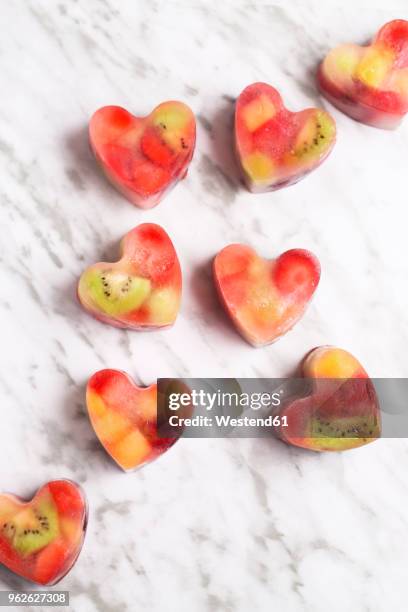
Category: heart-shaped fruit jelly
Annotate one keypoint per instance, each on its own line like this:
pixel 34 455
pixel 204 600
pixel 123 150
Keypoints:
pixel 340 411
pixel 144 157
pixel 265 298
pixel 124 417
pixel 140 291
pixel 370 84
pixel 40 540
pixel 276 147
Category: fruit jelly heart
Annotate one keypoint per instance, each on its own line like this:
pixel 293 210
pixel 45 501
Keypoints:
pixel 40 540
pixel 144 157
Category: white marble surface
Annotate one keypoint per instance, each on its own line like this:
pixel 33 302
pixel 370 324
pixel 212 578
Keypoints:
pixel 213 525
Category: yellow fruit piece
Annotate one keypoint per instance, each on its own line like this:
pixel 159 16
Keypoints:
pixel 346 59
pixel 132 450
pixel 374 66
pixel 257 112
pixel 332 363
pixel 341 63
pixel 111 427
pixel 258 166
pixel 163 305
pixel 174 120
pixel 95 404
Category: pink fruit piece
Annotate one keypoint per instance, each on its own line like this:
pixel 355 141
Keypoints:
pixel 140 291
pixel 144 157
pixel 124 417
pixel 370 84
pixel 276 147
pixel 341 411
pixel 265 298
pixel 40 540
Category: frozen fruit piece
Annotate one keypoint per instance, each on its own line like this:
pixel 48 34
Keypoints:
pixel 140 291
pixel 265 298
pixel 144 157
pixel 35 541
pixel 341 410
pixel 370 84
pixel 124 417
pixel 276 147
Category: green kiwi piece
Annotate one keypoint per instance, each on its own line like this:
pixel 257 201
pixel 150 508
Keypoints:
pixel 33 528
pixel 315 137
pixel 338 432
pixel 353 427
pixel 114 292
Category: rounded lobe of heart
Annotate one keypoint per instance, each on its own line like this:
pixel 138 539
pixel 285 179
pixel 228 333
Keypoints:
pixel 149 267
pixel 370 83
pixel 342 401
pixel 332 362
pixel 124 418
pixel 57 516
pixel 267 139
pixel 394 35
pixel 264 298
pixel 149 248
pixel 297 273
pixel 144 157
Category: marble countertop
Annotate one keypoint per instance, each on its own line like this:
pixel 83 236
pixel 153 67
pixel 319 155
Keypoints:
pixel 213 525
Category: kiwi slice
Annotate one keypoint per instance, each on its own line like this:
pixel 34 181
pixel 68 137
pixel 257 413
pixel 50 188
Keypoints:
pixel 114 292
pixel 353 427
pixel 171 121
pixel 33 528
pixel 314 137
pixel 352 431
